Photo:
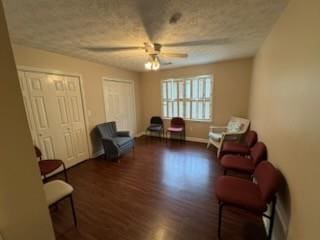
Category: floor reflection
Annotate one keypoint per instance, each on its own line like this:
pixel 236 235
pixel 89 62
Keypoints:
pixel 187 171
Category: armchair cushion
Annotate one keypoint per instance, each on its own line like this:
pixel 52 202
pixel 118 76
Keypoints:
pixel 215 136
pixel 123 134
pixel 121 141
pixel 234 126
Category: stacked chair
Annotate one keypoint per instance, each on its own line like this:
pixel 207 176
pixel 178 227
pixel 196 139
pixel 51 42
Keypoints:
pixel 252 194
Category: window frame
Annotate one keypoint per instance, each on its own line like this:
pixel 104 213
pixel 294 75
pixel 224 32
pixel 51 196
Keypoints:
pixel 184 79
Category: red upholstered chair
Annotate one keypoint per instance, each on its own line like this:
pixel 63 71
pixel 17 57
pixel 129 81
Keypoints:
pixel 232 147
pixel 177 126
pixel 243 164
pixel 49 165
pixel 252 197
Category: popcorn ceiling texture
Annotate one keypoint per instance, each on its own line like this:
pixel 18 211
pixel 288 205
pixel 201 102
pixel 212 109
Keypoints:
pixel 66 27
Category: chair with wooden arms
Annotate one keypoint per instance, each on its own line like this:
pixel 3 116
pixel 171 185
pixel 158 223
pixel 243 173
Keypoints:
pixel 249 196
pixel 48 166
pixel 232 132
pixel 177 126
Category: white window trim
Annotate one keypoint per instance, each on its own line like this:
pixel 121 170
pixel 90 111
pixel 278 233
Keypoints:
pixel 184 78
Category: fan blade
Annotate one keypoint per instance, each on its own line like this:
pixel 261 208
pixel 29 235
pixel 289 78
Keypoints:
pixel 111 49
pixel 217 41
pixel 162 63
pixel 174 55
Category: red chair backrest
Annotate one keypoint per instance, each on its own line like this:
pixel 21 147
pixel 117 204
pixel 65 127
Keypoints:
pixel 177 122
pixel 258 153
pixel 251 138
pixel 268 179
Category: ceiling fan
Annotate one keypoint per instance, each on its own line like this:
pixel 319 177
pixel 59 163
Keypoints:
pixel 154 52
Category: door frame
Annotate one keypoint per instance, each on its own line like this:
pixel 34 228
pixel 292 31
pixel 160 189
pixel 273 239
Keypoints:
pixel 82 92
pixel 133 95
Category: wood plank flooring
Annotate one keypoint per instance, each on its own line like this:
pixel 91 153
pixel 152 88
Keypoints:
pixel 159 192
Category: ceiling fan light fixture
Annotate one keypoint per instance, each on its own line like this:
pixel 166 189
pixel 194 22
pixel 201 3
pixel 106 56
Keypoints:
pixel 152 64
pixel 148 65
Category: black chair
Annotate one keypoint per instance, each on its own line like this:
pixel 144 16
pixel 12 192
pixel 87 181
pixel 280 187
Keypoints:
pixel 115 143
pixel 156 125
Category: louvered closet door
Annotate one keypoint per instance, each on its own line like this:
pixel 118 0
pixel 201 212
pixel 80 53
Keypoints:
pixel 56 115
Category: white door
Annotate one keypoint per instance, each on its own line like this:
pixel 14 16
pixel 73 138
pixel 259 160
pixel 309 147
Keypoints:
pixel 77 123
pixel 120 105
pixel 56 117
pixel 45 121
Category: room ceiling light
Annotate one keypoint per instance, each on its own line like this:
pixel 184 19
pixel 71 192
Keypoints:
pixel 152 64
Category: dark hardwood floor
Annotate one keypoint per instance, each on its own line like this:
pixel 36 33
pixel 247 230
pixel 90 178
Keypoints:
pixel 159 192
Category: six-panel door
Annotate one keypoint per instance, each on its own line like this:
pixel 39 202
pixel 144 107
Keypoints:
pixel 55 113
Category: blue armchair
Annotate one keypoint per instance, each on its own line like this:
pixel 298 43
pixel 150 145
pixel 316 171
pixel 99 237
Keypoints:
pixel 115 143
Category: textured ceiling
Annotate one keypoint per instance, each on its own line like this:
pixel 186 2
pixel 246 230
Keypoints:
pixel 67 27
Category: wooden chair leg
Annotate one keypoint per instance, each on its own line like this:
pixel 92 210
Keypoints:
pixel 220 219
pixel 73 211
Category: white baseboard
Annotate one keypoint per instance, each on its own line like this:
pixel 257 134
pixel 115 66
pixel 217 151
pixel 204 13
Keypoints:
pixel 195 139
pixel 281 222
pixel 98 153
pixel 189 139
pixel 139 134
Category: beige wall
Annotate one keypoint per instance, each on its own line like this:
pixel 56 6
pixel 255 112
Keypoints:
pixel 230 95
pixel 92 74
pixel 23 210
pixel 284 108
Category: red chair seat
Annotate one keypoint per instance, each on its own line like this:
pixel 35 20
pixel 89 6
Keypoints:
pixel 235 148
pixel 240 193
pixel 237 163
pixel 175 129
pixel 48 166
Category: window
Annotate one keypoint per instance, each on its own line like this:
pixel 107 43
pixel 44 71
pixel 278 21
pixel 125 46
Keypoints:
pixel 189 98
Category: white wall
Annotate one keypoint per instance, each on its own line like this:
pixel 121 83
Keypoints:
pixel 285 110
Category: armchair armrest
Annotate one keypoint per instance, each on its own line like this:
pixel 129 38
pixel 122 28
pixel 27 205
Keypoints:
pixel 123 134
pixel 109 143
pixel 217 128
